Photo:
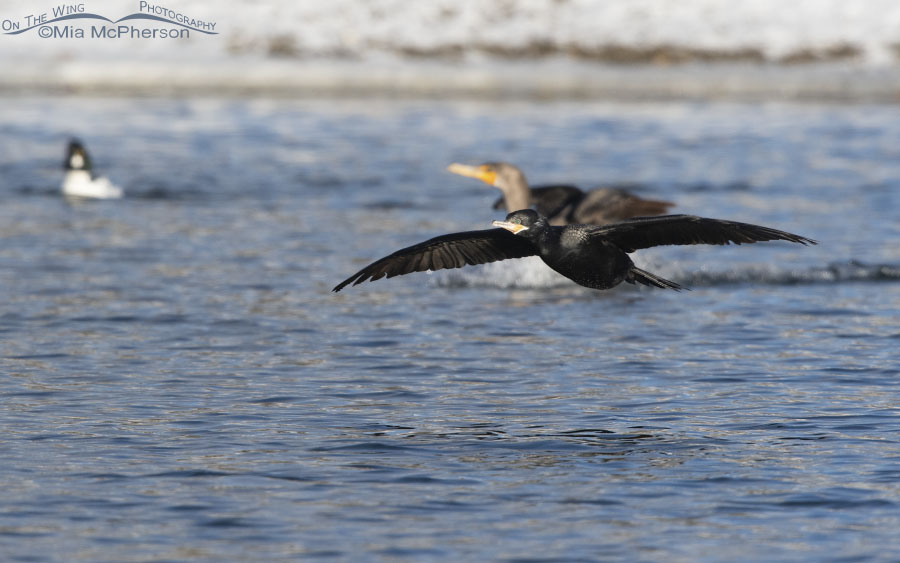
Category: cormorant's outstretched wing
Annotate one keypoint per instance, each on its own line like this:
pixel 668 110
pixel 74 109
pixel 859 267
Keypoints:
pixel 444 252
pixel 644 232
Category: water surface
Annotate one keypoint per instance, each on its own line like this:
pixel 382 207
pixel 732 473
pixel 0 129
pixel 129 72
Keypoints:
pixel 179 383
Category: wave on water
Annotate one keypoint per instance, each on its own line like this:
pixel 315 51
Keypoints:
pixel 531 273
pixel 835 272
pixel 157 192
pixel 525 273
pixel 167 193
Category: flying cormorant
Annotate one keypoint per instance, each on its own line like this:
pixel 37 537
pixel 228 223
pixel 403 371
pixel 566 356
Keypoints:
pixel 592 256
pixel 561 204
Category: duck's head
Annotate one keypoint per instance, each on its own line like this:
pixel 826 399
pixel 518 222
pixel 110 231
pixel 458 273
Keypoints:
pixel 77 157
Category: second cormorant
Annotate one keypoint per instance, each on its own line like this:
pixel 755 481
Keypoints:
pixel 561 204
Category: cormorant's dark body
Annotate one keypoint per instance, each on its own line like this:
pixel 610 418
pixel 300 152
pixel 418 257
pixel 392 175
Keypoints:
pixel 600 265
pixel 592 256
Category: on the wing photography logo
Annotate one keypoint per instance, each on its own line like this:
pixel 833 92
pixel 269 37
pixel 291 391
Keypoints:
pixel 65 22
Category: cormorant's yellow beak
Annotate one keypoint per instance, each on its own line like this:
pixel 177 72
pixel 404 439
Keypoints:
pixel 514 228
pixel 483 173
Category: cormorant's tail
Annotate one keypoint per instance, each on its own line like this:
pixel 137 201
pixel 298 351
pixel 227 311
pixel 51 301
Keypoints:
pixel 636 275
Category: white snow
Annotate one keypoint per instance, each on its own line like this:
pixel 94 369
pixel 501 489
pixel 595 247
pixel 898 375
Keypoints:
pixel 378 36
pixel 364 28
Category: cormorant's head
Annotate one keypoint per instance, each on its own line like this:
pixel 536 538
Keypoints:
pixel 77 157
pixel 527 222
pixel 498 174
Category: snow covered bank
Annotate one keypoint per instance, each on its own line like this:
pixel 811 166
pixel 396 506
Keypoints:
pixel 821 49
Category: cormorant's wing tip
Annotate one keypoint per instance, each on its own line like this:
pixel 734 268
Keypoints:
pixel 800 240
pixel 345 283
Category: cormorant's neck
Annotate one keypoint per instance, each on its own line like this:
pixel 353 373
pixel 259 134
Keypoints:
pixel 546 238
pixel 516 193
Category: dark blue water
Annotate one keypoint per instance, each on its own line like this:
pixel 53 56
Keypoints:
pixel 178 382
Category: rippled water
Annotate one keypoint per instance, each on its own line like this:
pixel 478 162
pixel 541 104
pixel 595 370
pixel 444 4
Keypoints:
pixel 179 383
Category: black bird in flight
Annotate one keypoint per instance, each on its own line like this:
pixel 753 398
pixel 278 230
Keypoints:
pixel 590 255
